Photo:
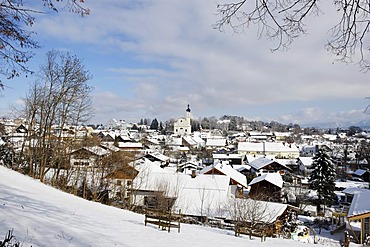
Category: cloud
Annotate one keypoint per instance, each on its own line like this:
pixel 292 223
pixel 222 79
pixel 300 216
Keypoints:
pixel 165 54
pixel 315 116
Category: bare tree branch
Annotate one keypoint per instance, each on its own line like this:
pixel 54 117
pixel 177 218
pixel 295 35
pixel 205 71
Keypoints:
pixel 284 20
pixel 16 40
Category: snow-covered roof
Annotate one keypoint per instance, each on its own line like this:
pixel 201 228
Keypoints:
pixel 240 168
pixel 268 211
pixel 273 178
pixel 306 161
pixel 199 140
pixel 260 162
pixel 360 204
pixel 227 156
pixel 359 172
pixel 354 190
pixel 195 196
pixel 159 156
pixel 266 146
pixel 153 141
pixel 286 162
pixel 190 140
pixel 110 146
pixel 216 142
pixel 147 166
pixel 351 184
pixel 282 134
pixel 130 145
pixel 228 171
pixel 97 150
pixel 175 142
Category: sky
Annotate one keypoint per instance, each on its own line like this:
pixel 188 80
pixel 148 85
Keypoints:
pixel 150 59
pixel 44 216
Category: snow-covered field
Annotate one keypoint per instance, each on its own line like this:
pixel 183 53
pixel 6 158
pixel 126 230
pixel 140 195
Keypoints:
pixel 43 216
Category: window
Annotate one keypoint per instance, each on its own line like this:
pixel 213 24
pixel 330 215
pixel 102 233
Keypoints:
pixel 119 182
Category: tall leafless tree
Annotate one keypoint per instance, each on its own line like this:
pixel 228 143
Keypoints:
pixel 61 97
pixel 285 20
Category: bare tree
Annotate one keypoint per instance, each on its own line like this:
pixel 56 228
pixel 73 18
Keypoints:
pixel 250 214
pixel 284 21
pixel 16 40
pixel 61 97
pixel 206 201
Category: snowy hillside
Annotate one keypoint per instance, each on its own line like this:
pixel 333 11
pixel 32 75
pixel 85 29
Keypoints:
pixel 43 216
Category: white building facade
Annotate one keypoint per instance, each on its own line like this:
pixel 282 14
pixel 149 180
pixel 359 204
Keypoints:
pixel 182 126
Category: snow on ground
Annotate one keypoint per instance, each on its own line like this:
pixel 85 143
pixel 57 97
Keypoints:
pixel 44 216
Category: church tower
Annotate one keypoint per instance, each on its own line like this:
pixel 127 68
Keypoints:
pixel 188 116
pixel 183 125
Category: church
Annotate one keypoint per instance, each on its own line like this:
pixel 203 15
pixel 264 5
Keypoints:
pixel 183 125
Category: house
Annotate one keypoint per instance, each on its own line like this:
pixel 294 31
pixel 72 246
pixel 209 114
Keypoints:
pixel 117 124
pixel 308 150
pixel 120 182
pixel 278 150
pixel 290 163
pixel 282 136
pixel 349 194
pixel 232 159
pixel 360 211
pixel 193 142
pixel 361 175
pixel 161 158
pixel 238 181
pixel 183 125
pixel 214 143
pixel 262 216
pixel 88 156
pixel 305 165
pixel 265 165
pixel 130 146
pixel 267 187
pixel 189 168
pixel 198 196
pixel 259 136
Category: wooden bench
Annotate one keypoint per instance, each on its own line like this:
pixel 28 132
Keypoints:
pixel 164 220
pixel 245 230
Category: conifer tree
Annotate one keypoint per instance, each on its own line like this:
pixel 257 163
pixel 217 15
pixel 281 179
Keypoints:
pixel 154 125
pixel 322 178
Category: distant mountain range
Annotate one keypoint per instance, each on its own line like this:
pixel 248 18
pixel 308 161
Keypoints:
pixel 364 124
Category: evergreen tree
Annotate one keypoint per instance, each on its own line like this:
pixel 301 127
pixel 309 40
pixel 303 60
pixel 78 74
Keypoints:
pixel 154 125
pixel 233 124
pixel 322 178
pixel 195 125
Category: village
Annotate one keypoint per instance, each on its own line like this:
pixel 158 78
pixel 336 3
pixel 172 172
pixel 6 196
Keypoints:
pixel 253 181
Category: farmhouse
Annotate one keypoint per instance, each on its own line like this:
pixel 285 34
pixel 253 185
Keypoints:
pixel 267 187
pixel 263 165
pixel 278 150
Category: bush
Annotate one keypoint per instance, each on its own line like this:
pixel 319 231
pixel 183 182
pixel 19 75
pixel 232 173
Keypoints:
pixel 9 240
